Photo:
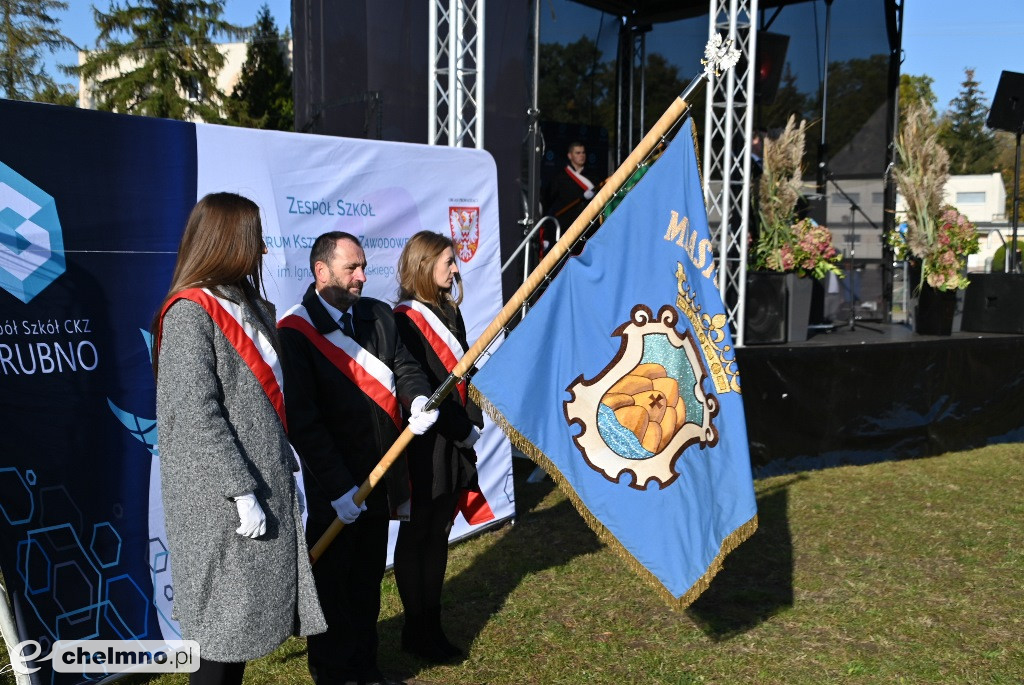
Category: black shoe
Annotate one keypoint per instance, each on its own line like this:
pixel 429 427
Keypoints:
pixel 328 675
pixel 379 678
pixel 429 648
pixel 452 652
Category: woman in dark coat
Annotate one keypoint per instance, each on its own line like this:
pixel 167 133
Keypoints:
pixel 242 580
pixel 442 463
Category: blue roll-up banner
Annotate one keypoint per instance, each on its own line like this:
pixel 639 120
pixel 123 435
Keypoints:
pixel 92 206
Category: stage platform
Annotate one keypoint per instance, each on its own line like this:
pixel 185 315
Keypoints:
pixel 877 392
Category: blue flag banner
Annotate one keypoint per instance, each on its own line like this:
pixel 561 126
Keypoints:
pixel 631 401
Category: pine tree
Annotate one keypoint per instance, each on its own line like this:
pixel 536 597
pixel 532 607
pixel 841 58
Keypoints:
pixel 971 147
pixel 262 98
pixel 27 28
pixel 57 94
pixel 158 58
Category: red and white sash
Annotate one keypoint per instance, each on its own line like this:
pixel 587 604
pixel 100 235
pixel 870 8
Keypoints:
pixel 252 345
pixel 370 374
pixel 474 507
pixel 437 335
pixel 471 503
pixel 581 180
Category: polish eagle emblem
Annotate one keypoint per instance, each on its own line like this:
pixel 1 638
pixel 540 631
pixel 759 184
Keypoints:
pixel 465 226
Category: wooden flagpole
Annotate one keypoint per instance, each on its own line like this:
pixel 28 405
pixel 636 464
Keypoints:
pixel 719 55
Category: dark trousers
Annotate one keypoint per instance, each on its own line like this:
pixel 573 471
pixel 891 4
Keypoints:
pixel 421 557
pixel 217 673
pixel 348 577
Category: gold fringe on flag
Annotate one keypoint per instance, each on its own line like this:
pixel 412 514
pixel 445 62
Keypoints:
pixel 524 445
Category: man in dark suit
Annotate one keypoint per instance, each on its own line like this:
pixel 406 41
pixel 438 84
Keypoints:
pixel 347 379
pixel 567 193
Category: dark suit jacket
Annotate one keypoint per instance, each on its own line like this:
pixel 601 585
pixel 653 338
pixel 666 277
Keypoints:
pixel 338 431
pixel 560 193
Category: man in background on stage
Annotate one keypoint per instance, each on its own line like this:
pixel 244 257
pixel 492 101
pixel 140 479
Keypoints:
pixel 347 378
pixel 567 194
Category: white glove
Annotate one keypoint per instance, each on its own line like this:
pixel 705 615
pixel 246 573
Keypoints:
pixel 470 440
pixel 346 508
pixel 421 421
pixel 588 194
pixel 254 521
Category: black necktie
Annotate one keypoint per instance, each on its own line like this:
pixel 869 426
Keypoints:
pixel 346 325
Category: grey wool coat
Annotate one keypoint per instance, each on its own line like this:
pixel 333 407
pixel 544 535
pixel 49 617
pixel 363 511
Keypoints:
pixel 220 437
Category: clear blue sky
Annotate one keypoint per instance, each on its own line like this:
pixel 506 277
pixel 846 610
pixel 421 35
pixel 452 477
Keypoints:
pixel 940 37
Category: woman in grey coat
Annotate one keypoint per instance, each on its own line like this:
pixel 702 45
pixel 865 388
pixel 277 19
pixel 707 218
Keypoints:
pixel 242 580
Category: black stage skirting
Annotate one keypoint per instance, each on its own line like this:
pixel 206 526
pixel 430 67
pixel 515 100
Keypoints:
pixel 869 394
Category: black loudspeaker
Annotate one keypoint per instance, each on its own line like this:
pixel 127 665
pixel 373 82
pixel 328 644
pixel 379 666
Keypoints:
pixel 771 57
pixel 1007 113
pixel 994 303
pixel 765 316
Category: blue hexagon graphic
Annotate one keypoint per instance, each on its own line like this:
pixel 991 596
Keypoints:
pixel 33 566
pixel 79 624
pixel 74 585
pixel 73 592
pixel 17 504
pixel 126 608
pixel 59 516
pixel 105 545
pixel 31 242
pixel 509 487
pixel 158 555
pixel 169 593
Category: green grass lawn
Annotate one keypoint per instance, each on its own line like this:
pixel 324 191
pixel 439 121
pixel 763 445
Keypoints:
pixel 900 572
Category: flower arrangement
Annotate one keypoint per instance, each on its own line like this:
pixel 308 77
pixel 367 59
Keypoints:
pixel 810 253
pixel 935 234
pixel 786 243
pixel 942 262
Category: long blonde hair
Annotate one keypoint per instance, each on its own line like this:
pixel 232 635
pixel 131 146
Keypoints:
pixel 416 271
pixel 222 246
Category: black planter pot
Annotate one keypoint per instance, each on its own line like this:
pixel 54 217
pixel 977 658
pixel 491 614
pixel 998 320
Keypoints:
pixel 935 311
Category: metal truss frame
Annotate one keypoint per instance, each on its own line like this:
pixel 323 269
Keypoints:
pixel 726 166
pixel 456 106
pixel 456 88
pixel 631 87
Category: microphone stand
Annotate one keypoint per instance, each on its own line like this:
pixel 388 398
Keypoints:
pixel 851 238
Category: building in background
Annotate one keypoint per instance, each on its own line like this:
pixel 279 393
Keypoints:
pixel 982 199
